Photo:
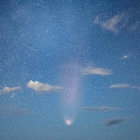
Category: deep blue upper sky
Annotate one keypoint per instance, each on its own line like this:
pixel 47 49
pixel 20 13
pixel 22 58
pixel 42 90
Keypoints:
pixel 69 70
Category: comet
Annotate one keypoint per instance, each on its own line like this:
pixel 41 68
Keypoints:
pixel 69 100
pixel 68 121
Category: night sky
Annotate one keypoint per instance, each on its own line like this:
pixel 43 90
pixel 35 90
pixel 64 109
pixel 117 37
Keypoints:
pixel 69 70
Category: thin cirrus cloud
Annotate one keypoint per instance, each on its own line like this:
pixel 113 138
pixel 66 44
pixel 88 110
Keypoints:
pixel 13 109
pixel 42 87
pixel 99 108
pixel 9 89
pixel 115 121
pixel 120 86
pixel 19 112
pixel 124 86
pixel 96 71
pixel 113 24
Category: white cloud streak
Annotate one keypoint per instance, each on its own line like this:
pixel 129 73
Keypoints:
pixel 124 86
pixel 96 71
pixel 9 89
pixel 120 86
pixel 42 87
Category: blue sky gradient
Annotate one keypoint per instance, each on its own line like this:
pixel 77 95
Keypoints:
pixel 69 70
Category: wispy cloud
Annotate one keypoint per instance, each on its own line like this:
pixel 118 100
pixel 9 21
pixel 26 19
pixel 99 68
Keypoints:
pixel 96 71
pixel 13 109
pixel 125 56
pixel 136 87
pixel 9 89
pixel 19 112
pixel 115 121
pixel 114 23
pixel 120 86
pixel 42 87
pixel 99 108
pixel 124 86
